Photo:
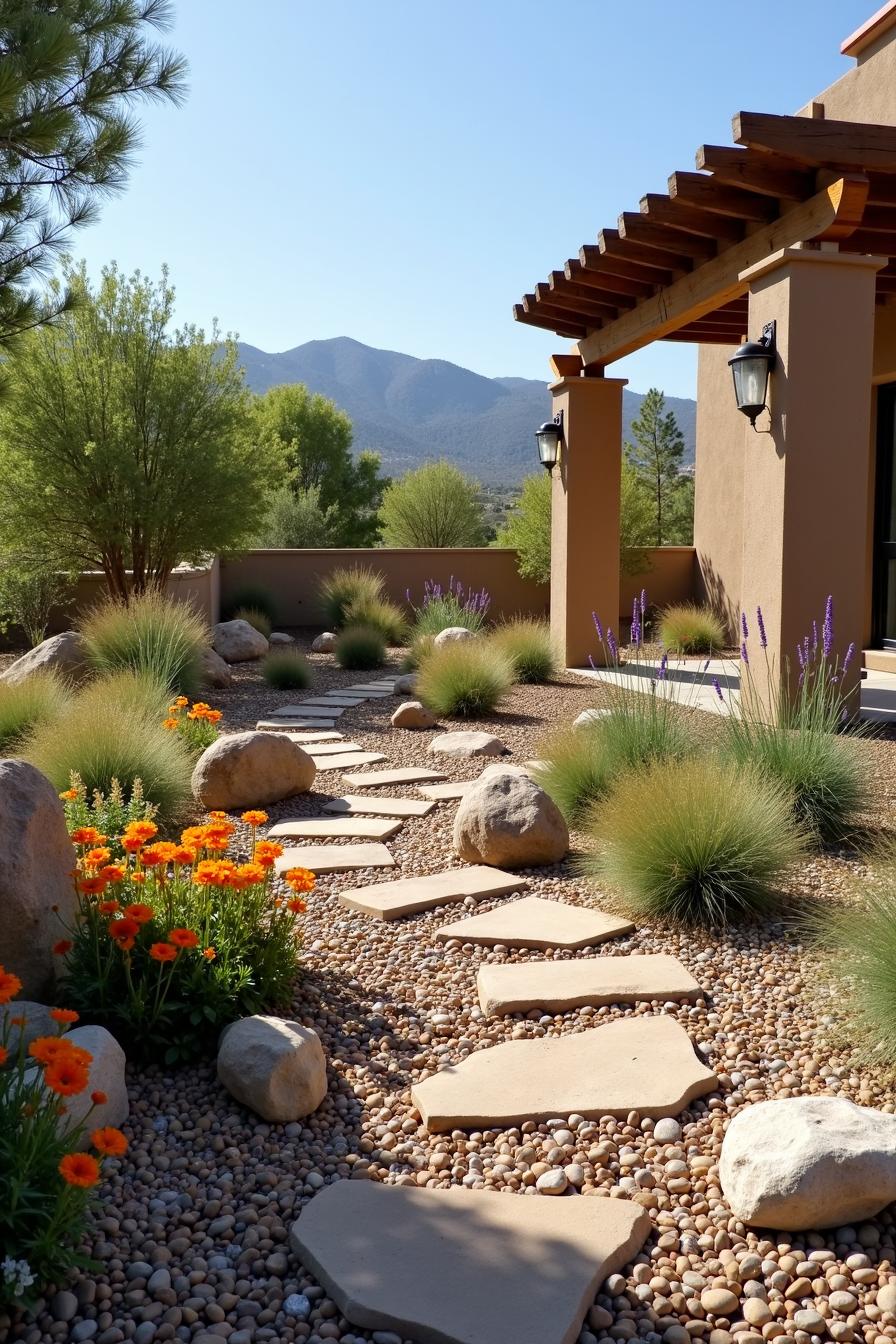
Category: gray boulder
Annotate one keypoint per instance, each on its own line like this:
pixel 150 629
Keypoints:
pixel 589 717
pixel 324 643
pixel 63 653
pixel 273 1066
pixel 106 1073
pixel 278 637
pixel 453 634
pixel 214 671
pixel 506 820
pixel 405 685
pixel 238 641
pixel 251 769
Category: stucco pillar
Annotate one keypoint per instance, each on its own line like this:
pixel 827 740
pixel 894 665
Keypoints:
pixel 585 515
pixel 805 496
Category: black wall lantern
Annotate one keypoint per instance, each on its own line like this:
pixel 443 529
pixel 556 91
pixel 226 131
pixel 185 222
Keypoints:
pixel 751 365
pixel 548 437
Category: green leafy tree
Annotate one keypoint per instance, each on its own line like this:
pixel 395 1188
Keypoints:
pixel 70 73
pixel 528 528
pixel 436 505
pixel 315 437
pixel 680 531
pixel 296 518
pixel 657 455
pixel 124 445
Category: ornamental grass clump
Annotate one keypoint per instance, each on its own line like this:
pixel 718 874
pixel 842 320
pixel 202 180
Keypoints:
pixel 152 635
pixel 466 679
pixel 530 648
pixel 382 615
pixel 45 1179
pixel 255 617
pixel 37 700
pixel 689 628
pixel 352 585
pixel 443 608
pixel 360 648
pixel 695 842
pixel 175 940
pixel 287 670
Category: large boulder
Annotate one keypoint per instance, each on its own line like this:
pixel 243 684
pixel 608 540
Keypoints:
pixel 63 653
pixel 324 642
pixel 106 1074
pixel 280 637
pixel 506 820
pixel 453 634
pixel 214 671
pixel 412 714
pixel 806 1162
pixel 468 744
pixel 251 769
pixel 273 1066
pixel 37 897
pixel 238 641
pixel 30 1020
pixel 405 685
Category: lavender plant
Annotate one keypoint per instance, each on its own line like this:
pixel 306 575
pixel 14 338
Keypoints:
pixel 445 607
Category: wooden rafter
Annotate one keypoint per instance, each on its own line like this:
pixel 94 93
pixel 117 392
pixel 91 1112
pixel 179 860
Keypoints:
pixel 697 189
pixel 576 306
pixel 767 176
pixel 561 287
pixel 674 214
pixel 690 247
pixel 847 146
pixel 606 281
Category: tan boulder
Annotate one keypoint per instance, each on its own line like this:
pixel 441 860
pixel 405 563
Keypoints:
pixel 238 641
pixel 506 820
pixel 412 714
pixel 63 653
pixel 325 642
pixel 453 634
pixel 106 1073
pixel 214 671
pixel 468 743
pixel 251 769
pixel 274 1067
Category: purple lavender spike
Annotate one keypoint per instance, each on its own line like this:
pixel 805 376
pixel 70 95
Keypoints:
pixel 636 623
pixel 827 630
pixel 743 625
pixel 613 646
pixel 850 652
pixel 800 655
pixel 743 654
pixel 643 601
pixel 806 651
pixel 814 638
pixel 763 642
pixel 664 667
pixel 717 688
pixel 407 593
pixel 592 663
pixel 597 625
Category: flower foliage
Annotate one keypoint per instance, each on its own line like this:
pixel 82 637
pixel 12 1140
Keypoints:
pixel 443 607
pixel 194 723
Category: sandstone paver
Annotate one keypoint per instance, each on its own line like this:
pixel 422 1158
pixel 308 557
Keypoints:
pixel 534 922
pixel 409 774
pixel 334 748
pixel 351 804
pixel 559 986
pixel 334 858
pixel 343 701
pixel 453 789
pixel 346 759
pixel 367 828
pixel 645 1064
pixel 409 895
pixel 324 735
pixel 462 1266
pixel 308 712
pixel 268 725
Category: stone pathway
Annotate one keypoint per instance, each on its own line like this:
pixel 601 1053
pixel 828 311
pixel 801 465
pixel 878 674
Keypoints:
pixel 446 791
pixel 643 1064
pixel 268 725
pixel 353 804
pixel 342 701
pixel 334 858
pixel 534 922
pixel 560 986
pixel 330 748
pixel 343 760
pixel 409 774
pixel 309 711
pixel 323 737
pixel 458 1266
pixel 367 828
pixel 410 895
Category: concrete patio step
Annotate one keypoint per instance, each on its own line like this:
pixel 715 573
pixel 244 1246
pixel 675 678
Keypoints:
pixel 351 804
pixel 537 923
pixel 560 986
pixel 462 1266
pixel 308 828
pixel 334 858
pixel 644 1064
pixel 410 895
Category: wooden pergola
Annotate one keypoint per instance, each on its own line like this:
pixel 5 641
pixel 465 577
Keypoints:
pixel 672 271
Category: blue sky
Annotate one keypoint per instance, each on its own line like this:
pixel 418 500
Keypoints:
pixel 402 172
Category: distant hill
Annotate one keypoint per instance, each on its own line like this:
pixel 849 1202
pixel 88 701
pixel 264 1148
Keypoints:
pixel 409 410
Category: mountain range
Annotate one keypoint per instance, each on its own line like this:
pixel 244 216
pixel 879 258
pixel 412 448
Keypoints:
pixel 412 410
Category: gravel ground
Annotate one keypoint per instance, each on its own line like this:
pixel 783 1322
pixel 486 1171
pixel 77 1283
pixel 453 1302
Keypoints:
pixel 192 1235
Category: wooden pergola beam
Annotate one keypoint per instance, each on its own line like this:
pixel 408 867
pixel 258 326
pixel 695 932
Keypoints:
pixel 847 146
pixel 606 281
pixel 565 288
pixel 690 218
pixel 612 244
pixel 573 331
pixel 699 189
pixel 603 262
pixel 687 246
pixel 587 307
pixel 762 173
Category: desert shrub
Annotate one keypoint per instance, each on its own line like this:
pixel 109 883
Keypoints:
pixel 152 635
pixel 45 1181
pixel 380 614
pixel 198 943
pixel 360 648
pixel 112 730
pixel 575 770
pixel 30 590
pixel 466 679
pixel 346 587
pixel 255 597
pixel 287 670
pixel 417 650
pixel 689 628
pixel 455 605
pixel 528 645
pixel 36 700
pixel 698 841
pixel 256 618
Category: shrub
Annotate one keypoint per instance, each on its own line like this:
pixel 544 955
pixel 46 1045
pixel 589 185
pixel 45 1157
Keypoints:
pixel 383 615
pixel 576 770
pixel 256 618
pixel 418 649
pixel 528 645
pixel 466 679
pixel 36 700
pixel 688 628
pixel 153 635
pixel 108 813
pixel 442 608
pixel 698 841
pixel 45 1181
pixel 255 597
pixel 106 735
pixel 287 670
pixel 360 648
pixel 30 591
pixel 344 588
pixel 194 724
pixel 200 942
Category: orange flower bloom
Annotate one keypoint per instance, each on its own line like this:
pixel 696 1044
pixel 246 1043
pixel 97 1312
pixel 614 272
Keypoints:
pixel 255 818
pixel 170 724
pixel 266 851
pixel 65 1076
pixel 296 905
pixel 98 1098
pixel 151 858
pixel 163 952
pixel 139 878
pixel 184 856
pixel 48 1049
pixel 143 830
pixel 108 907
pixel 80 1169
pixel 9 985
pixel 87 835
pixel 113 872
pixel 64 945
pixel 181 702
pixel 209 953
pixel 122 928
pixel 131 844
pixel 139 913
pixel 217 836
pixel 64 1015
pixel 95 858
pixel 214 873
pixel 69 795
pixel 218 815
pixel 299 879
pixel 92 886
pixel 193 837
pixel 183 938
pixel 250 874
pixel 109 1141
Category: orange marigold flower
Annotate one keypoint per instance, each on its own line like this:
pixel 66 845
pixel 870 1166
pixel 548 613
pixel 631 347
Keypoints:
pixel 255 818
pixel 139 878
pixel 181 702
pixel 218 815
pixel 65 1076
pixel 151 858
pixel 214 873
pixel 98 1098
pixel 183 937
pixel 80 1169
pixel 296 905
pixel 108 907
pixel 170 724
pixel 143 830
pixel 266 851
pixel 250 874
pixel 69 795
pixel 163 952
pixel 95 858
pixel 113 872
pixel 184 856
pixel 131 844
pixel 64 945
pixel 193 837
pixel 47 1049
pixel 92 886
pixel 139 913
pixel 123 928
pixel 87 835
pixel 109 1141
pixel 209 953
pixel 64 1015
pixel 9 985
pixel 299 879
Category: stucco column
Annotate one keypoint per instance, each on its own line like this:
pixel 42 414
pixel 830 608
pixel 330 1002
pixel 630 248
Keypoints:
pixel 585 515
pixel 805 504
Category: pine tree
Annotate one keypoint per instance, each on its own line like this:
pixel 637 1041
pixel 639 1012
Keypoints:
pixel 657 455
pixel 70 72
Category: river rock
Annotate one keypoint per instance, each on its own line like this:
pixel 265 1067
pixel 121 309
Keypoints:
pixel 63 653
pixel 505 819
pixel 468 744
pixel 251 769
pixel 274 1067
pixel 238 642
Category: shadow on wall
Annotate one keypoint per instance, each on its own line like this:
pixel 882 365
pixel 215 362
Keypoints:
pixel 711 590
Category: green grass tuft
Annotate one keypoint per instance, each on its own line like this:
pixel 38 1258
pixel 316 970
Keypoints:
pixel 287 670
pixel 39 699
pixel 688 628
pixel 255 617
pixel 152 635
pixel 466 679
pixel 380 614
pixel 347 587
pixel 360 648
pixel 528 645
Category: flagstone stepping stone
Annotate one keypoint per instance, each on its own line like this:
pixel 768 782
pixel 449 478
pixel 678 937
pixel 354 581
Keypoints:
pixel 408 774
pixel 347 758
pixel 535 922
pixel 643 1064
pixel 340 748
pixel 367 689
pixel 589 717
pixel 468 744
pixel 453 789
pixel 308 712
pixel 559 986
pixel 351 804
pixel 460 1266
pixel 324 736
pixel 343 701
pixel 334 858
pixel 267 724
pixel 410 895
pixel 367 828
